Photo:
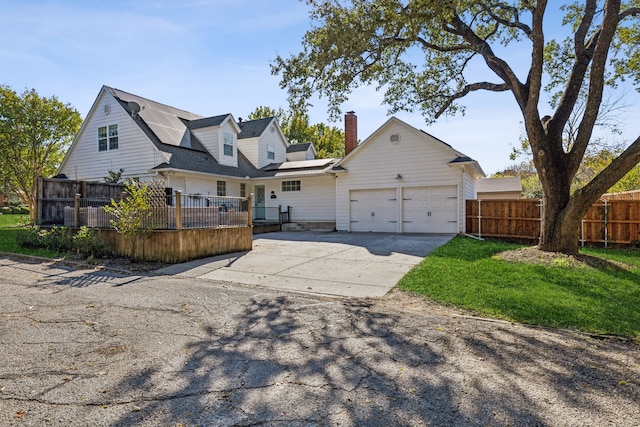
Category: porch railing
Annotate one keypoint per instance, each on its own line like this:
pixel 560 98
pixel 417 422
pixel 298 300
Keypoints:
pixel 173 212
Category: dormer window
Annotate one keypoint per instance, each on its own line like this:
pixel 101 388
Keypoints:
pixel 228 144
pixel 271 152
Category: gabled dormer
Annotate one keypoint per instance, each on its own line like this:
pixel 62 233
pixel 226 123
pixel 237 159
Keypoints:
pixel 262 141
pixel 298 152
pixel 219 136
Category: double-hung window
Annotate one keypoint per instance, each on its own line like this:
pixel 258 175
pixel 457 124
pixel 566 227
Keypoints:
pixel 228 144
pixel 108 137
pixel 222 188
pixel 271 152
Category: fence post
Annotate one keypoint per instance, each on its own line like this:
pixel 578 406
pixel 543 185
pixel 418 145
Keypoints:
pixel 76 210
pixel 38 207
pixel 606 223
pixel 479 219
pixel 178 210
pixel 541 204
pixel 250 210
pixel 582 232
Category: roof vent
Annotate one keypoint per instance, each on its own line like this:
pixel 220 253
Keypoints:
pixel 395 138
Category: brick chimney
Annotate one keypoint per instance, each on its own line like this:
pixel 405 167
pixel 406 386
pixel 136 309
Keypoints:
pixel 350 132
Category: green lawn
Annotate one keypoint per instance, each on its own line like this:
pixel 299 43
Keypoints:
pixel 9 226
pixel 467 273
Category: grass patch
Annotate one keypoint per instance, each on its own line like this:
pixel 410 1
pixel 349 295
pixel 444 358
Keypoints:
pixel 597 292
pixel 10 225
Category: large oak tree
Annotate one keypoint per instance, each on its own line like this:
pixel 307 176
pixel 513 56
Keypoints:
pixel 35 132
pixel 425 54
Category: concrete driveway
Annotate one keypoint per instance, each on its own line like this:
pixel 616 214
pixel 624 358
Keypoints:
pixel 339 264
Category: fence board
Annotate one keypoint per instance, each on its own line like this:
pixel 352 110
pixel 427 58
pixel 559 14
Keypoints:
pixel 607 222
pixel 56 194
pixel 178 246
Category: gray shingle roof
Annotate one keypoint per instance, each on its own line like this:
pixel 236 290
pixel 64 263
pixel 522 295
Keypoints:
pixel 206 121
pixel 253 128
pixel 168 129
pixel 293 148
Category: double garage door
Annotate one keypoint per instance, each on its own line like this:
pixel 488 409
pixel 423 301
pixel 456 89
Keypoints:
pixel 408 210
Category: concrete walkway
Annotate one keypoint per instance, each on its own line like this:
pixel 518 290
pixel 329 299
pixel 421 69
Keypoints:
pixel 340 264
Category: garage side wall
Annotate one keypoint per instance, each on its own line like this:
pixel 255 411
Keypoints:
pixel 468 193
pixel 414 161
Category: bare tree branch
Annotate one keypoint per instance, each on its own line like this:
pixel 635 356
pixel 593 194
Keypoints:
pixel 494 87
pixel 584 54
pixel 617 169
pixel 511 24
pixel 596 81
pixel 496 64
pixel 537 57
pixel 581 33
pixel 633 11
pixel 427 45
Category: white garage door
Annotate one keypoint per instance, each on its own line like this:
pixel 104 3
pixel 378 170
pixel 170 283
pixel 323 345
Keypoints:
pixel 430 210
pixel 374 210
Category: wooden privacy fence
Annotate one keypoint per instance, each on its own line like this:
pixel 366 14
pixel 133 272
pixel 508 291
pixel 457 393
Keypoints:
pixel 56 194
pixel 606 223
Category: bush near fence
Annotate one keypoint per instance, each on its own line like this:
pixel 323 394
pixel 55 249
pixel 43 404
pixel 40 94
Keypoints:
pixel 606 223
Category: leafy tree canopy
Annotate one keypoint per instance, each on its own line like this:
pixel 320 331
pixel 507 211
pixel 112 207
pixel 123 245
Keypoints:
pixel 429 54
pixel 328 140
pixel 35 132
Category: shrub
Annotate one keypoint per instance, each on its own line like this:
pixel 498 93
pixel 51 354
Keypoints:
pixel 5 210
pixel 31 237
pixel 24 210
pixel 15 210
pixel 59 239
pixel 86 243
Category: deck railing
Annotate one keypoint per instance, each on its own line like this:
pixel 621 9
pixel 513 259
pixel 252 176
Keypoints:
pixel 172 212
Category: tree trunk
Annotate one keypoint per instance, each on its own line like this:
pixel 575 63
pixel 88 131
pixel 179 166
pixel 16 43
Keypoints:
pixel 561 214
pixel 560 230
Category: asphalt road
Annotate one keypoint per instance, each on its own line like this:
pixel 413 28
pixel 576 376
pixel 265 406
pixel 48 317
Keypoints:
pixel 95 348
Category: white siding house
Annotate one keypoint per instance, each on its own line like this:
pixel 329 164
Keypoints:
pixel 403 180
pixel 262 142
pixel 399 180
pixel 134 152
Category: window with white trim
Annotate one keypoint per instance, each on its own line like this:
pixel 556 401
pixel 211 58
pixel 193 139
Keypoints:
pixel 271 152
pixel 228 144
pixel 290 185
pixel 221 188
pixel 108 137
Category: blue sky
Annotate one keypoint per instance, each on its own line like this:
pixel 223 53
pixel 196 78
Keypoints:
pixel 209 57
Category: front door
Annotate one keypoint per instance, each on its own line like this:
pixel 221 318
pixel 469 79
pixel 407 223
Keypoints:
pixel 259 210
